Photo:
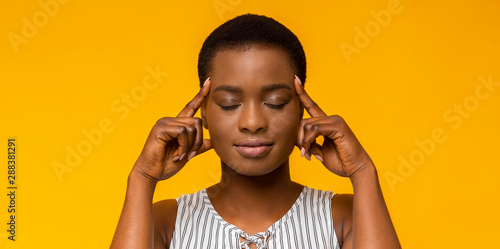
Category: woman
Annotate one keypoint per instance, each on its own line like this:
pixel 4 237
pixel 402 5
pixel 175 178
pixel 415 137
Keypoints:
pixel 252 71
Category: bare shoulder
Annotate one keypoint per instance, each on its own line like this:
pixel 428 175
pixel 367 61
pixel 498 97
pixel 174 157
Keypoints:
pixel 164 213
pixel 342 217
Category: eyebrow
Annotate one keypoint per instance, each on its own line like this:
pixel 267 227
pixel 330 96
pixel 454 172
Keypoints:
pixel 268 88
pixel 274 87
pixel 226 88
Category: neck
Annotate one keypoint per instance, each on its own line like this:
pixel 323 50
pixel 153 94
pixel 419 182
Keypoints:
pixel 234 183
pixel 260 192
pixel 263 198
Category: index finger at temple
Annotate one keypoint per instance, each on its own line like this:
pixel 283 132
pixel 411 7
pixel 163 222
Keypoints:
pixel 193 105
pixel 312 108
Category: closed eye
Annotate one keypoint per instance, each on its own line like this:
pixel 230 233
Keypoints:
pixel 229 108
pixel 276 106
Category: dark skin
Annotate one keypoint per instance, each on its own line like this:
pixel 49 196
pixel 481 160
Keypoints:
pixel 253 95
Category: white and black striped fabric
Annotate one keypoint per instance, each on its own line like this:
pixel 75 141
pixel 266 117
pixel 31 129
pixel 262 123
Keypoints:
pixel 307 225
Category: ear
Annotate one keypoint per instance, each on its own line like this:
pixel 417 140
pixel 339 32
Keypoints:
pixel 203 114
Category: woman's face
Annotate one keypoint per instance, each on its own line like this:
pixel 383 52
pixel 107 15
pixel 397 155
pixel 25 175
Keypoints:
pixel 252 112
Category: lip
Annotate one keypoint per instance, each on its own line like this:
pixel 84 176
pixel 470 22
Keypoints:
pixel 253 148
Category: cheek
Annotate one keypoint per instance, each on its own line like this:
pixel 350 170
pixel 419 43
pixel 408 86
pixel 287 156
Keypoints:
pixel 286 122
pixel 219 124
pixel 212 121
pixel 286 125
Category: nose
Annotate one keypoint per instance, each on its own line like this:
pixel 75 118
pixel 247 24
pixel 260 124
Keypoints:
pixel 253 118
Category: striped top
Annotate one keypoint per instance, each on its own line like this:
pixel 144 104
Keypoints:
pixel 308 224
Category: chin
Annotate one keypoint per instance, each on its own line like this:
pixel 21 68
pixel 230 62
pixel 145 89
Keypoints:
pixel 253 167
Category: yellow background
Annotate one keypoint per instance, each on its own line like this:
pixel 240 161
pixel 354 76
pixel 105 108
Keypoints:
pixel 399 87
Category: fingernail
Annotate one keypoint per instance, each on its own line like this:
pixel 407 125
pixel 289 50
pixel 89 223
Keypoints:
pixel 297 77
pixel 318 157
pixel 308 157
pixel 182 156
pixel 176 158
pixel 206 81
pixel 302 152
pixel 191 155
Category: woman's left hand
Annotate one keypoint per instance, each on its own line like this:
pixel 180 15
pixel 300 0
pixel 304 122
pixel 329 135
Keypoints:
pixel 341 152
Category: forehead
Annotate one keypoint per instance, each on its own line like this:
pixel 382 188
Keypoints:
pixel 251 67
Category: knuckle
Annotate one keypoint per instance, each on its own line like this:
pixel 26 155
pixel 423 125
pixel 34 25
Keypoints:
pixel 189 104
pixel 302 123
pixel 183 130
pixel 311 104
pixel 197 122
pixel 191 129
pixel 337 118
pixel 308 126
pixel 162 121
pixel 315 127
pixel 197 144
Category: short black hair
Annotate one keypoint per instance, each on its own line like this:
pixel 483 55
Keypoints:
pixel 250 29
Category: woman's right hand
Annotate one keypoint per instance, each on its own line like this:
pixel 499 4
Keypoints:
pixel 174 141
